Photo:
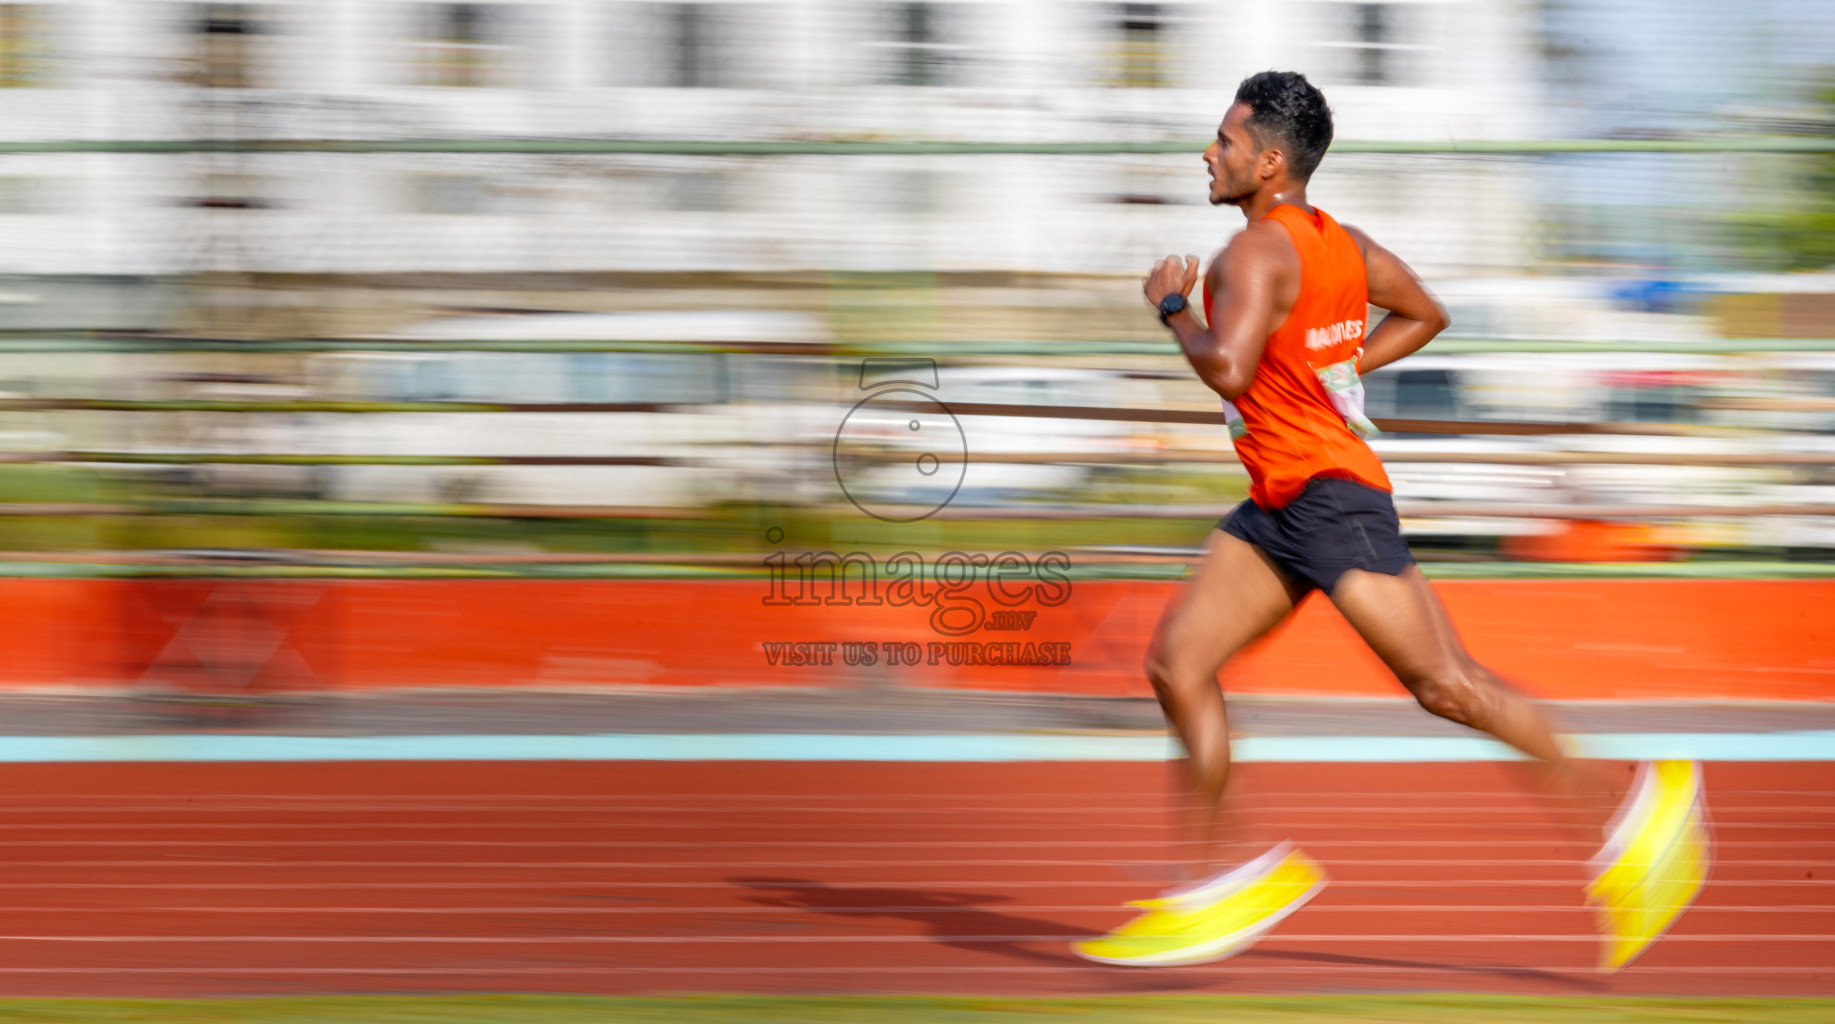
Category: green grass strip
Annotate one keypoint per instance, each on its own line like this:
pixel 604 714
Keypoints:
pixel 916 1010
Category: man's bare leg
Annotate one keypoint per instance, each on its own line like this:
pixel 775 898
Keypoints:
pixel 1403 621
pixel 1639 896
pixel 1236 595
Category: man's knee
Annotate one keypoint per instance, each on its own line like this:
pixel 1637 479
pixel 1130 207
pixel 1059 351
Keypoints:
pixel 1159 672
pixel 1170 675
pixel 1457 694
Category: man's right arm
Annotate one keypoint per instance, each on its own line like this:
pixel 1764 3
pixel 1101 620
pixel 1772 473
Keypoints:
pixel 1243 281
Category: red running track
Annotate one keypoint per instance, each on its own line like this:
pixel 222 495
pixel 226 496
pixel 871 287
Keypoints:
pixel 646 877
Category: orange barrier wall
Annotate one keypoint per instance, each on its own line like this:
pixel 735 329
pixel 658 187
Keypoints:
pixel 1594 639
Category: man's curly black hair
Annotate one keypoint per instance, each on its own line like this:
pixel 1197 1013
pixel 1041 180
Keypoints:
pixel 1287 111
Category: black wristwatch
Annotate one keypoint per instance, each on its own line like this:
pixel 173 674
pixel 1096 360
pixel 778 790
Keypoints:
pixel 1171 306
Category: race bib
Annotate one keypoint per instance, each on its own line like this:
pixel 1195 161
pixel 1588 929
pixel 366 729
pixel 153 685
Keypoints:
pixel 1346 390
pixel 1232 418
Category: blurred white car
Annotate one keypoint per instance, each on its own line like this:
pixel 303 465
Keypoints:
pixel 1663 403
pixel 1012 451
pixel 686 415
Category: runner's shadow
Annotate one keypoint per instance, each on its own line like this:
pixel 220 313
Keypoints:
pixel 1573 981
pixel 955 919
pixel 959 920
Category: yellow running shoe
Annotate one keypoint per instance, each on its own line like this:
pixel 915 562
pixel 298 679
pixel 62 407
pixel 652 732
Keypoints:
pixel 1217 919
pixel 1654 862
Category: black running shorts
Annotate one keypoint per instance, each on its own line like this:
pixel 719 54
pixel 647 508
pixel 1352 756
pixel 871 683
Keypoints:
pixel 1334 525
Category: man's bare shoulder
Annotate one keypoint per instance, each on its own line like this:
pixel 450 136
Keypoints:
pixel 1262 246
pixel 1263 238
pixel 1360 236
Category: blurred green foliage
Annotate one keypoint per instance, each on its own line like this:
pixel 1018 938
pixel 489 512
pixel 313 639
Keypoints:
pixel 1800 233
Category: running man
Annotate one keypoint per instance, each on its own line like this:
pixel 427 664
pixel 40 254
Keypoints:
pixel 1284 342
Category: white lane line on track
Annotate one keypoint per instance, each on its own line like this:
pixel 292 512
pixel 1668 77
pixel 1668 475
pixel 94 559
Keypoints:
pixel 852 974
pixel 795 911
pixel 1786 745
pixel 608 834
pixel 949 823
pixel 845 938
pixel 661 796
pixel 1149 812
pixel 1456 861
pixel 587 883
pixel 723 801
pixel 1150 806
pixel 1081 971
pixel 1463 846
pixel 872 911
pixel 673 799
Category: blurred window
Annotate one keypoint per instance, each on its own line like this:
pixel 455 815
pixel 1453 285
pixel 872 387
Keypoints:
pixel 1426 395
pixel 454 194
pixel 588 376
pixel 698 45
pixel 760 378
pixel 1370 54
pixel 698 378
pixel 1139 182
pixel 225 46
pixel 1140 41
pixel 1659 396
pixel 693 185
pixel 1020 391
pixel 25 46
pixel 386 380
pixel 232 191
pixel 909 192
pixel 459 45
pixel 1374 42
pixel 1822 384
pixel 645 377
pixel 700 191
pixel 692 37
pixel 433 380
pixel 22 195
pixel 918 44
pixel 1651 405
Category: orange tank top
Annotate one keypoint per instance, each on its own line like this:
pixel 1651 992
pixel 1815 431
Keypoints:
pixel 1298 415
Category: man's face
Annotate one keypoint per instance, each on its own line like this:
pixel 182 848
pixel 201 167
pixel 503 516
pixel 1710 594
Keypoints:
pixel 1232 158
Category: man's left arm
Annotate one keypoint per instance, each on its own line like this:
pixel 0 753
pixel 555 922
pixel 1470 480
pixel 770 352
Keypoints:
pixel 1415 316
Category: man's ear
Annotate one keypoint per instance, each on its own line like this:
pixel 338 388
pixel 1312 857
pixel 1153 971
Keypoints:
pixel 1274 161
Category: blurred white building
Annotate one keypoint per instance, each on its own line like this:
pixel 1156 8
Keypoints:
pixel 1000 70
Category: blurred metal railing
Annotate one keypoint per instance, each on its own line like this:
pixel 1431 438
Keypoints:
pixel 1056 412
pixel 1113 458
pixel 153 456
pixel 100 342
pixel 971 349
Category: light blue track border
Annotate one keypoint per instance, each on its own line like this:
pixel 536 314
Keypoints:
pixel 1816 745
